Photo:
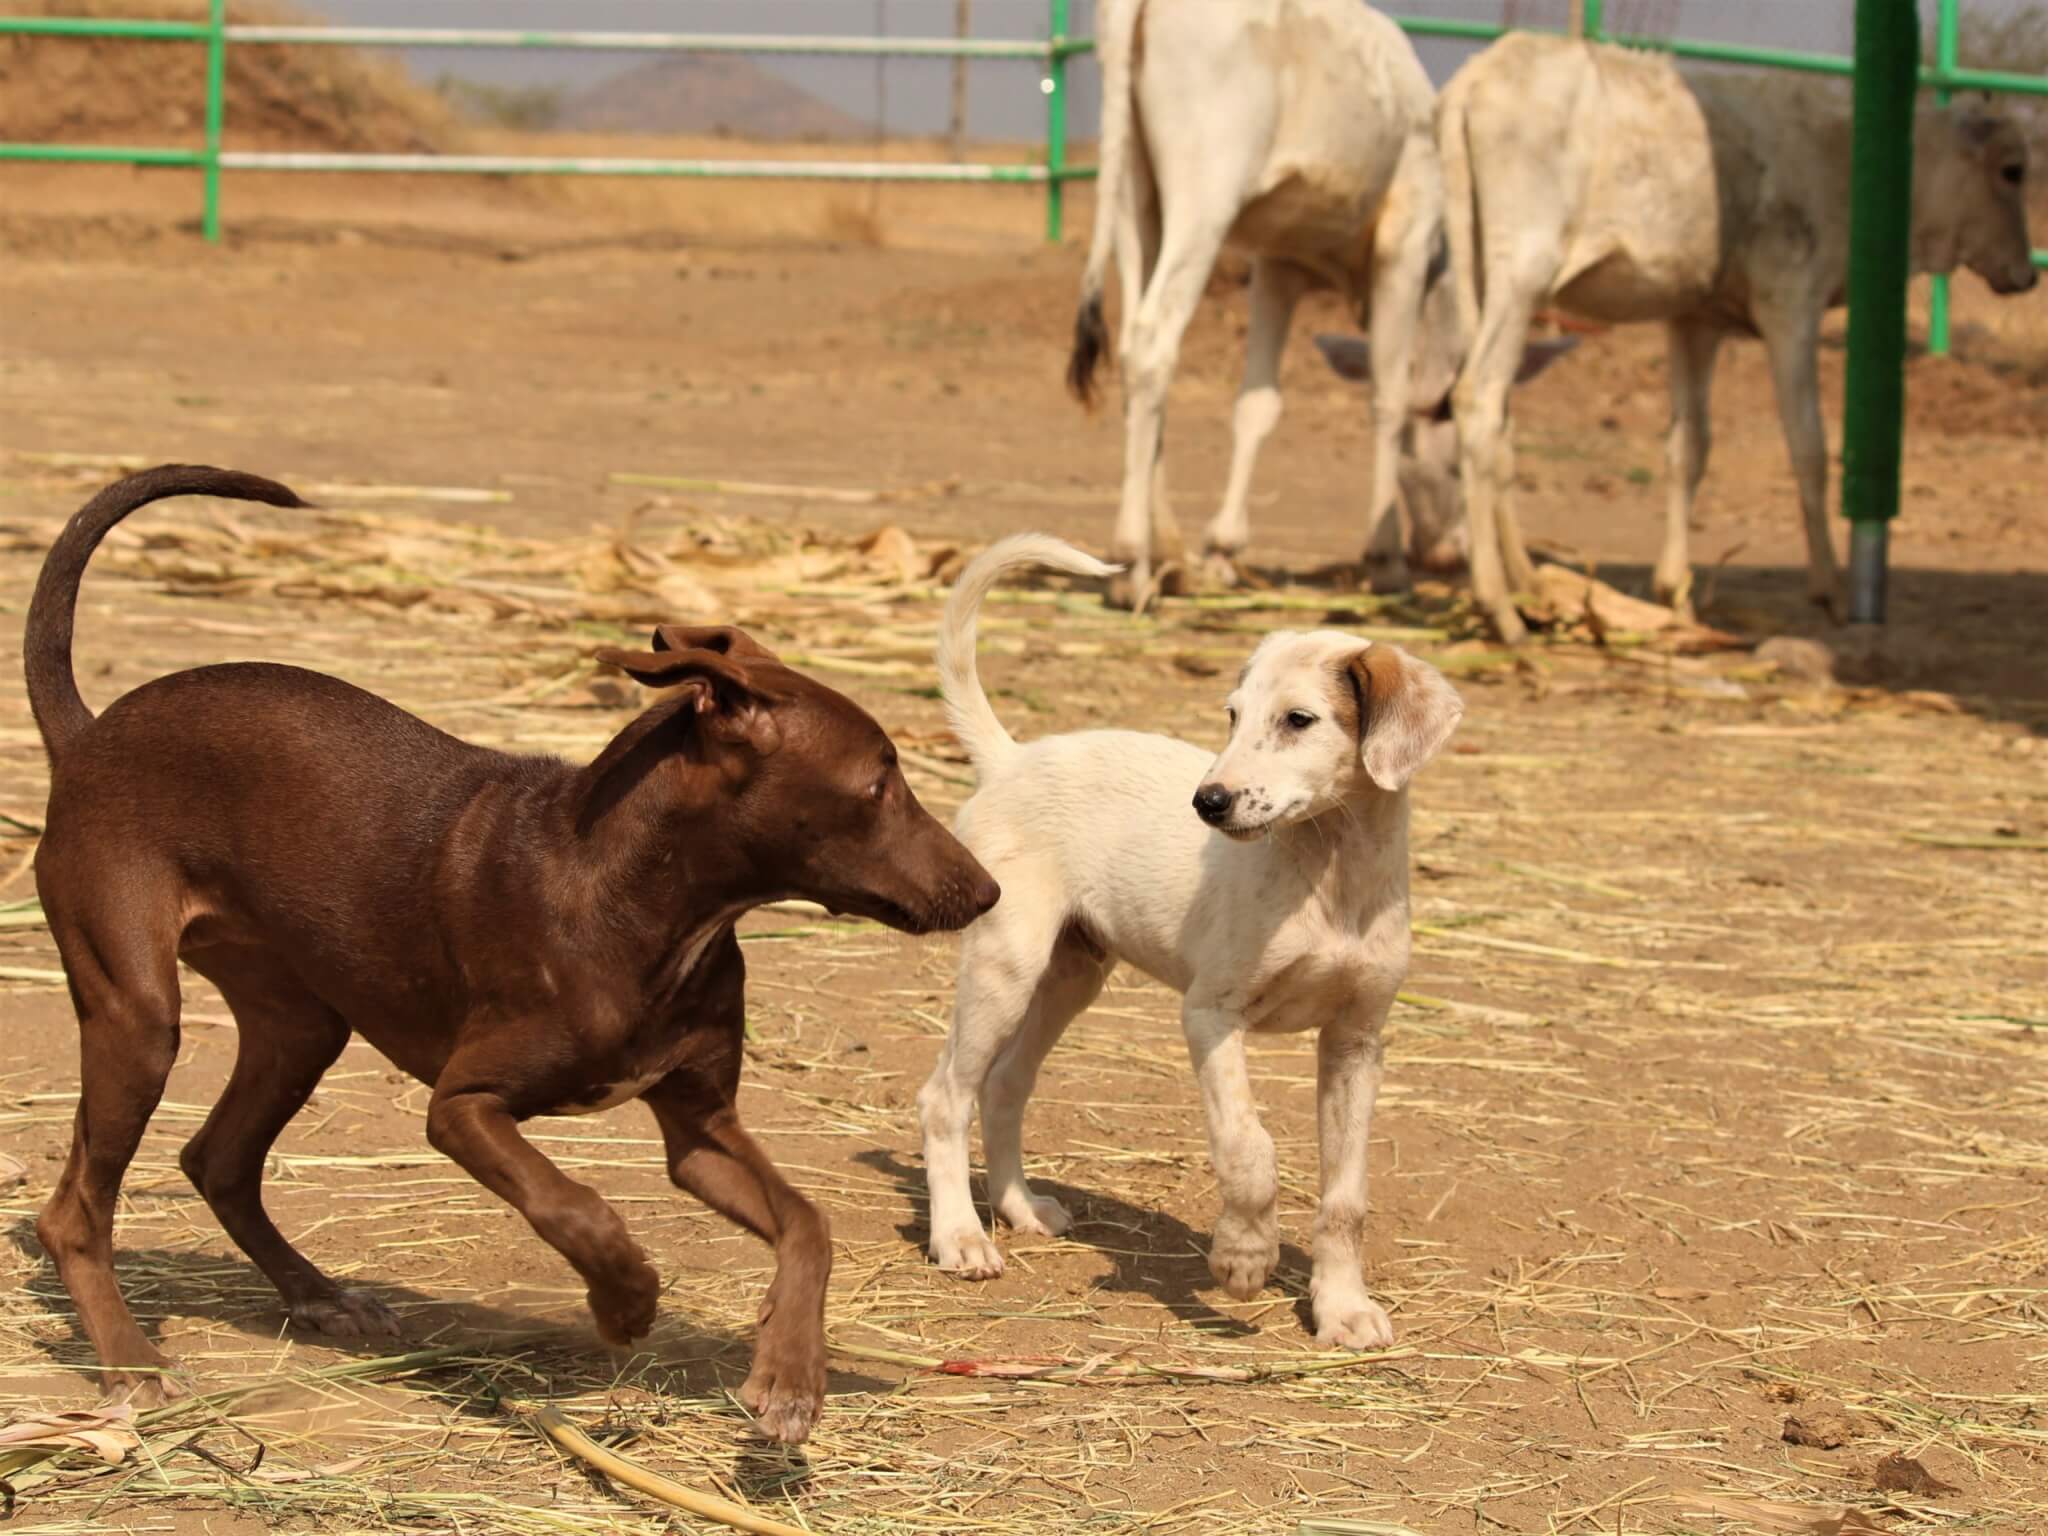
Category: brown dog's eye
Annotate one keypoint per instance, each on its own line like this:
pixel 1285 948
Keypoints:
pixel 2014 174
pixel 879 788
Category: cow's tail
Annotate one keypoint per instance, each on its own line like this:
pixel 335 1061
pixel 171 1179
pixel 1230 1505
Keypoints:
pixel 53 696
pixel 974 722
pixel 1461 210
pixel 1116 31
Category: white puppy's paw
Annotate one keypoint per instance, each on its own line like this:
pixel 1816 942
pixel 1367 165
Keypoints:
pixel 967 1253
pixel 1035 1214
pixel 1243 1255
pixel 1353 1321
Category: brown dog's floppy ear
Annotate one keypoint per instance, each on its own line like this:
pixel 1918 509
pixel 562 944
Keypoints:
pixel 1406 713
pixel 722 638
pixel 715 685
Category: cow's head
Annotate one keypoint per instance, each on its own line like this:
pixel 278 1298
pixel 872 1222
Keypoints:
pixel 1428 471
pixel 1970 197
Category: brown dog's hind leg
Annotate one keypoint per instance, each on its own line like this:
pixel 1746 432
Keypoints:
pixel 711 1155
pixel 124 984
pixel 288 1040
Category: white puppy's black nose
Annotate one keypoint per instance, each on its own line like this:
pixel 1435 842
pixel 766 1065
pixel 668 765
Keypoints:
pixel 1213 802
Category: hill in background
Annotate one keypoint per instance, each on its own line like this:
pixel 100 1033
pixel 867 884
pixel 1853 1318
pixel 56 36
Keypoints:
pixel 96 90
pixel 716 94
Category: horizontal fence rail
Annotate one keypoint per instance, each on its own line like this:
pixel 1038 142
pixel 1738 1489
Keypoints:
pixel 598 165
pixel 217 33
pixel 1054 52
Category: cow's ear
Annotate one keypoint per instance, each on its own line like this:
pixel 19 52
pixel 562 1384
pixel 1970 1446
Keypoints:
pixel 1349 357
pixel 1539 355
pixel 1978 126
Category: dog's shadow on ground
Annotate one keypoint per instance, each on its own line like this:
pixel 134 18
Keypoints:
pixel 1150 1252
pixel 506 1352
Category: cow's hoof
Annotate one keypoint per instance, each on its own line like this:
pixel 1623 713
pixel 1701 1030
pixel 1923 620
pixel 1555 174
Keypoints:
pixel 1219 571
pixel 1387 575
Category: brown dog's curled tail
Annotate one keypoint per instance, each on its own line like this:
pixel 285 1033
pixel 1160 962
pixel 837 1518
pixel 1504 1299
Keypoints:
pixel 53 694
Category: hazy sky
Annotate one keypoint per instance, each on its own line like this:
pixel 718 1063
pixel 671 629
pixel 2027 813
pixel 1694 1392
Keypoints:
pixel 912 95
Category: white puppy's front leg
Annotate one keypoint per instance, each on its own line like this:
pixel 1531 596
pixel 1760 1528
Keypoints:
pixel 1348 1072
pixel 1247 1242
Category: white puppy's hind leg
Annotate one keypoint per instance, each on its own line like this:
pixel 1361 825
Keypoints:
pixel 999 974
pixel 1348 1072
pixel 1247 1241
pixel 1071 983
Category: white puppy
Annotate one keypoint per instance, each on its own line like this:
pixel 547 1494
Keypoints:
pixel 1269 887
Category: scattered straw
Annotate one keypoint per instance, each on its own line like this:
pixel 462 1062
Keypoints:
pixel 1715 1092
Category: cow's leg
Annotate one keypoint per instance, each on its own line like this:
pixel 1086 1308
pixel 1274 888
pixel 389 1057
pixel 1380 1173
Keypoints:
pixel 1277 286
pixel 1400 272
pixel 1515 563
pixel 1187 254
pixel 1481 405
pixel 1791 336
pixel 1691 348
pixel 1139 232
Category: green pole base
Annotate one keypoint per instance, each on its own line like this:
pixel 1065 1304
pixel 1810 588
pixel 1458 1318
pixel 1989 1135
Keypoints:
pixel 1869 546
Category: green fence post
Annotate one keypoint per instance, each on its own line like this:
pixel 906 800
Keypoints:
pixel 1944 61
pixel 216 111
pixel 1055 119
pixel 1593 21
pixel 1880 228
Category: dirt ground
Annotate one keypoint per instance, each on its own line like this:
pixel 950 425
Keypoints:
pixel 1709 1174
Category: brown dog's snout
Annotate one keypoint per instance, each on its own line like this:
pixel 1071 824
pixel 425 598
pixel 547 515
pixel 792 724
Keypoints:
pixel 986 894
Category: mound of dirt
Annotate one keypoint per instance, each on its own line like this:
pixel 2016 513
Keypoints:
pixel 715 94
pixel 61 90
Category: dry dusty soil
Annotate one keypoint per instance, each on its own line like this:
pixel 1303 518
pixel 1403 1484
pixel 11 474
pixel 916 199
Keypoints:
pixel 1710 1174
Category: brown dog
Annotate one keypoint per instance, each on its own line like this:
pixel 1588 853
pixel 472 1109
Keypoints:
pixel 526 936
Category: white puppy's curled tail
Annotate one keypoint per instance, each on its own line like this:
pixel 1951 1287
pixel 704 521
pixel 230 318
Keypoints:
pixel 967 708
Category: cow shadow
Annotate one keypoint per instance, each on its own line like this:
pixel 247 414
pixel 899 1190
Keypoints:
pixel 1977 636
pixel 1149 1252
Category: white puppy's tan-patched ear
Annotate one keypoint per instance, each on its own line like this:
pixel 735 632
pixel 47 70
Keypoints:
pixel 1407 713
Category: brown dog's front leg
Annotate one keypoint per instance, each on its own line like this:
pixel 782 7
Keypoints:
pixel 477 1131
pixel 711 1155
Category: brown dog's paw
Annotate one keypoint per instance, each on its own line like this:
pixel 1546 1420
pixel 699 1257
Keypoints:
pixel 624 1307
pixel 785 1392
pixel 143 1390
pixel 345 1315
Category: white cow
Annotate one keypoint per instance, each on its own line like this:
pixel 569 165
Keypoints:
pixel 1300 131
pixel 1438 532
pixel 1599 180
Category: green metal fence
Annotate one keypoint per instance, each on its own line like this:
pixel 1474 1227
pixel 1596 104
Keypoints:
pixel 218 34
pixel 1054 52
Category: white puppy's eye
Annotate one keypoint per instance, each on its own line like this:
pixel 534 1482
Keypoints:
pixel 1230 714
pixel 1299 719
